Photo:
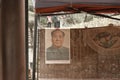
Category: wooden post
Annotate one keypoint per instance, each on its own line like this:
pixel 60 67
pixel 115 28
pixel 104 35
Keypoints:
pixel 0 45
pixel 13 39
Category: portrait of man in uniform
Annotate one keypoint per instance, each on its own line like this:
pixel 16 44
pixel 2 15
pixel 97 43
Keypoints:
pixel 58 52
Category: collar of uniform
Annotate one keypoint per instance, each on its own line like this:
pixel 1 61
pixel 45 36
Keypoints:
pixel 57 48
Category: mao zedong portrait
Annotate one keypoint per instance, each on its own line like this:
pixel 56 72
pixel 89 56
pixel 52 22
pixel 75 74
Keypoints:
pixel 57 51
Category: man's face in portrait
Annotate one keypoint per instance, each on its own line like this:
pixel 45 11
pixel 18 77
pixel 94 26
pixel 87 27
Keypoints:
pixel 57 39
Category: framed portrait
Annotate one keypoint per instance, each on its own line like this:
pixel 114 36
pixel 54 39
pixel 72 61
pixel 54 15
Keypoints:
pixel 57 46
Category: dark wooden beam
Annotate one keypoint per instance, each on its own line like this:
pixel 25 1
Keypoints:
pixel 13 39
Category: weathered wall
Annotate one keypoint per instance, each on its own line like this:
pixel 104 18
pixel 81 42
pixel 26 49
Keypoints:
pixel 85 62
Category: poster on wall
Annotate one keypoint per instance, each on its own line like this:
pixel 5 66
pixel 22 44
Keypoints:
pixel 57 46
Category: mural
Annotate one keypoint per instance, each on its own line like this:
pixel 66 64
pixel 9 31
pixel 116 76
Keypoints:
pixel 104 40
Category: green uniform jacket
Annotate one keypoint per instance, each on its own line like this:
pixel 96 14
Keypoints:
pixel 57 53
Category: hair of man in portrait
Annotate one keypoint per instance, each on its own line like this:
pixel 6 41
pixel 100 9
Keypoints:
pixel 57 51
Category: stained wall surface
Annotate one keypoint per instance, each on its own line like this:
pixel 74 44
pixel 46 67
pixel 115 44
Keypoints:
pixel 86 63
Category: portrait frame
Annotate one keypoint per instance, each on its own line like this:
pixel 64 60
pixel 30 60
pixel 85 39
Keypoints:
pixel 57 55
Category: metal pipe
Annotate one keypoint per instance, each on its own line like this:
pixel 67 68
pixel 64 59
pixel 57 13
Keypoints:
pixel 26 39
pixel 34 50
